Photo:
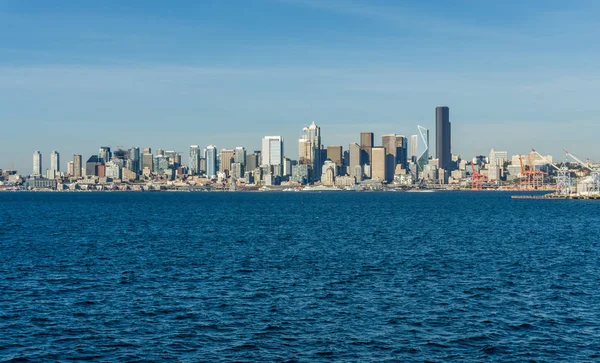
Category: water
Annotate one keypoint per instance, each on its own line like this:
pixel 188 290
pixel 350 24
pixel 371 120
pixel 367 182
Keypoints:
pixel 298 277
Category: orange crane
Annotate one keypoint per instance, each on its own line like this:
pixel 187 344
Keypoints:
pixel 476 179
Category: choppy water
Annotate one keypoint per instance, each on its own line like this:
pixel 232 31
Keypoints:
pixel 298 277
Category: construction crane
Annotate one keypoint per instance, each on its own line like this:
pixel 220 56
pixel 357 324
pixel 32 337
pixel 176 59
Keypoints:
pixel 476 179
pixel 563 179
pixel 595 172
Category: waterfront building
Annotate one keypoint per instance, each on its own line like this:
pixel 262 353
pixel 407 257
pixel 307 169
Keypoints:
pixel 272 153
pixel 194 161
pixel 113 170
pixel 77 161
pixel 300 173
pixel 104 154
pixel 37 163
pixel 211 161
pixel 367 141
pixel 443 137
pixel 378 164
pixel 225 160
pixel 328 174
pixel 345 181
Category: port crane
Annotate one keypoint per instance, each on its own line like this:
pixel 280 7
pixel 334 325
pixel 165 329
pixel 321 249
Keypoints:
pixel 563 179
pixel 531 179
pixel 477 179
pixel 595 172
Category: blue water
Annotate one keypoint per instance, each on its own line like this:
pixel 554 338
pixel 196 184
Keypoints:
pixel 455 276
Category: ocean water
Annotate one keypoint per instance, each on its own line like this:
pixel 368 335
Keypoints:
pixel 448 276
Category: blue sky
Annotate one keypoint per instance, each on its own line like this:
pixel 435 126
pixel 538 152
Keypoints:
pixel 75 75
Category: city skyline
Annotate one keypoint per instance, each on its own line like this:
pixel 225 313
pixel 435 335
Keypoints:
pixel 73 75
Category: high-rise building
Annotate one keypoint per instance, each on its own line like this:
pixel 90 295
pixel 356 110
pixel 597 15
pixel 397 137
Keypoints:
pixel 378 164
pixel 134 160
pixel 401 151
pixel 443 137
pixel 240 155
pixel 367 141
pixel 194 160
pixel 91 166
pixel 272 153
pixel 160 152
pixel 334 153
pixel 414 147
pixel 354 158
pixel 147 160
pixel 37 163
pixel 55 163
pixel 104 154
pixel 388 141
pixel 226 157
pixel 309 151
pixel 422 147
pixel 77 160
pixel 70 167
pixel 211 161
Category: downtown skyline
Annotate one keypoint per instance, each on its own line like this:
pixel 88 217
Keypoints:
pixel 73 76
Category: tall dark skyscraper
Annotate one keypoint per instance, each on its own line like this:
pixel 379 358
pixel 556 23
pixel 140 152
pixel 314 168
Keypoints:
pixel 443 151
pixel 367 141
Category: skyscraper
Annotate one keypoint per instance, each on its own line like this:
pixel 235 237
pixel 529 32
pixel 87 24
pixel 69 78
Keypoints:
pixel 104 154
pixel 334 153
pixel 77 160
pixel 211 161
pixel 272 153
pixel 443 137
pixel 226 157
pixel 422 147
pixel 414 147
pixel 378 164
pixel 309 150
pixel 55 163
pixel 194 160
pixel 37 163
pixel 134 160
pixel 354 158
pixel 388 141
pixel 147 160
pixel 401 151
pixel 367 140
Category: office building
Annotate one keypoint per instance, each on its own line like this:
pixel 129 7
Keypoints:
pixel 92 166
pixel 147 160
pixel 378 164
pixel 414 146
pixel 388 142
pixel 70 167
pixel 134 160
pixel 443 137
pixel 272 153
pixel 367 141
pixel 253 161
pixel 354 159
pixel 334 153
pixel 104 154
pixel 225 160
pixel 422 157
pixel 401 151
pixel 211 161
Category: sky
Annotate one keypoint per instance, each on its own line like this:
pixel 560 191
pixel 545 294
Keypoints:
pixel 76 75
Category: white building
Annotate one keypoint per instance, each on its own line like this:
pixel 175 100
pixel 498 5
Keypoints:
pixel 211 161
pixel 55 162
pixel 113 170
pixel 272 153
pixel 37 163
